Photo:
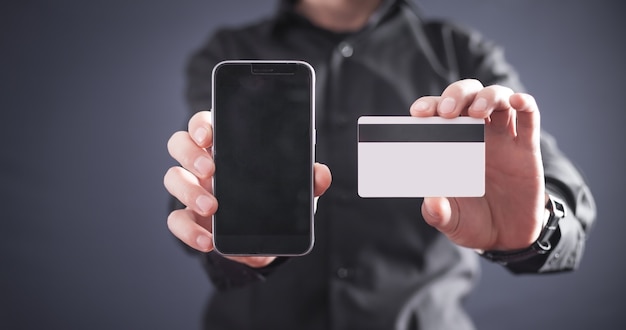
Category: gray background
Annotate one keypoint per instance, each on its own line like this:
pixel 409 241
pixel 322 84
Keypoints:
pixel 91 90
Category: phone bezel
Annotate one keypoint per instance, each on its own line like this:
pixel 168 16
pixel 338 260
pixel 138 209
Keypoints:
pixel 266 245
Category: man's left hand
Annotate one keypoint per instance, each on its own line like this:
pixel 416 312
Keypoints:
pixel 510 214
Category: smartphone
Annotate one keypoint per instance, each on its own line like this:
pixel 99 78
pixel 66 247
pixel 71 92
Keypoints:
pixel 264 148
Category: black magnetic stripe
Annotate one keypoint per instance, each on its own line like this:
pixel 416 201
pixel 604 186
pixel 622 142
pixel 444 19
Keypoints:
pixel 421 133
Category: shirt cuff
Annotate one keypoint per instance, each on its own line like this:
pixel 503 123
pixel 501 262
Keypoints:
pixel 567 246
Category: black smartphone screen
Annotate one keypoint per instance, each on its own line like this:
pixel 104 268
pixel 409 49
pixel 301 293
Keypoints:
pixel 263 122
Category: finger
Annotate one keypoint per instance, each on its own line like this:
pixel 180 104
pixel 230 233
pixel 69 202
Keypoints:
pixel 502 118
pixel 200 129
pixel 425 106
pixel 528 118
pixel 191 156
pixel 437 212
pixel 457 97
pixel 493 102
pixel 489 99
pixel 186 187
pixel 322 178
pixel 185 225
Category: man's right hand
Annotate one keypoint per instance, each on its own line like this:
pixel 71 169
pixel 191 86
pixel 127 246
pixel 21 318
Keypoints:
pixel 191 184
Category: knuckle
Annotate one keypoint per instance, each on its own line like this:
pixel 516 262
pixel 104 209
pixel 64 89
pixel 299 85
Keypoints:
pixel 172 220
pixel 470 84
pixel 177 185
pixel 463 87
pixel 200 118
pixel 176 223
pixel 197 117
pixel 173 172
pixel 168 177
pixel 497 89
pixel 174 142
pixel 529 98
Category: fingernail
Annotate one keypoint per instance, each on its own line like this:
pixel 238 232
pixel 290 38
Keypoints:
pixel 203 165
pixel 480 105
pixel 204 242
pixel 447 105
pixel 420 106
pixel 200 135
pixel 204 203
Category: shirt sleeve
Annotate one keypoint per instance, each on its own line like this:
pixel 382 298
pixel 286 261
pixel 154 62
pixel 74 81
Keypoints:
pixel 470 56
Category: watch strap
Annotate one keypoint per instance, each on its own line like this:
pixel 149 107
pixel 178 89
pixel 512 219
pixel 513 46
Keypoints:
pixel 541 246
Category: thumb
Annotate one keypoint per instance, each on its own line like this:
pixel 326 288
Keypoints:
pixel 437 212
pixel 322 178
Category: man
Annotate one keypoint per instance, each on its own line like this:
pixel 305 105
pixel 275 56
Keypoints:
pixel 383 263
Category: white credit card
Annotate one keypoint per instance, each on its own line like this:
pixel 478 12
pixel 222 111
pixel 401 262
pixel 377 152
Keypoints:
pixel 421 157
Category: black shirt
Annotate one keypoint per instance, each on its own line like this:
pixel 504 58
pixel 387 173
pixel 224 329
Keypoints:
pixel 376 264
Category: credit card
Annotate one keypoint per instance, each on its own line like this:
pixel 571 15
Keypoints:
pixel 402 156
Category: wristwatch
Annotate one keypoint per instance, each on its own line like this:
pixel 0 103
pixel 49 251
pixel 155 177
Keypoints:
pixel 541 246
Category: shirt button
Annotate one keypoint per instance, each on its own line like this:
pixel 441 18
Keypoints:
pixel 343 273
pixel 346 49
